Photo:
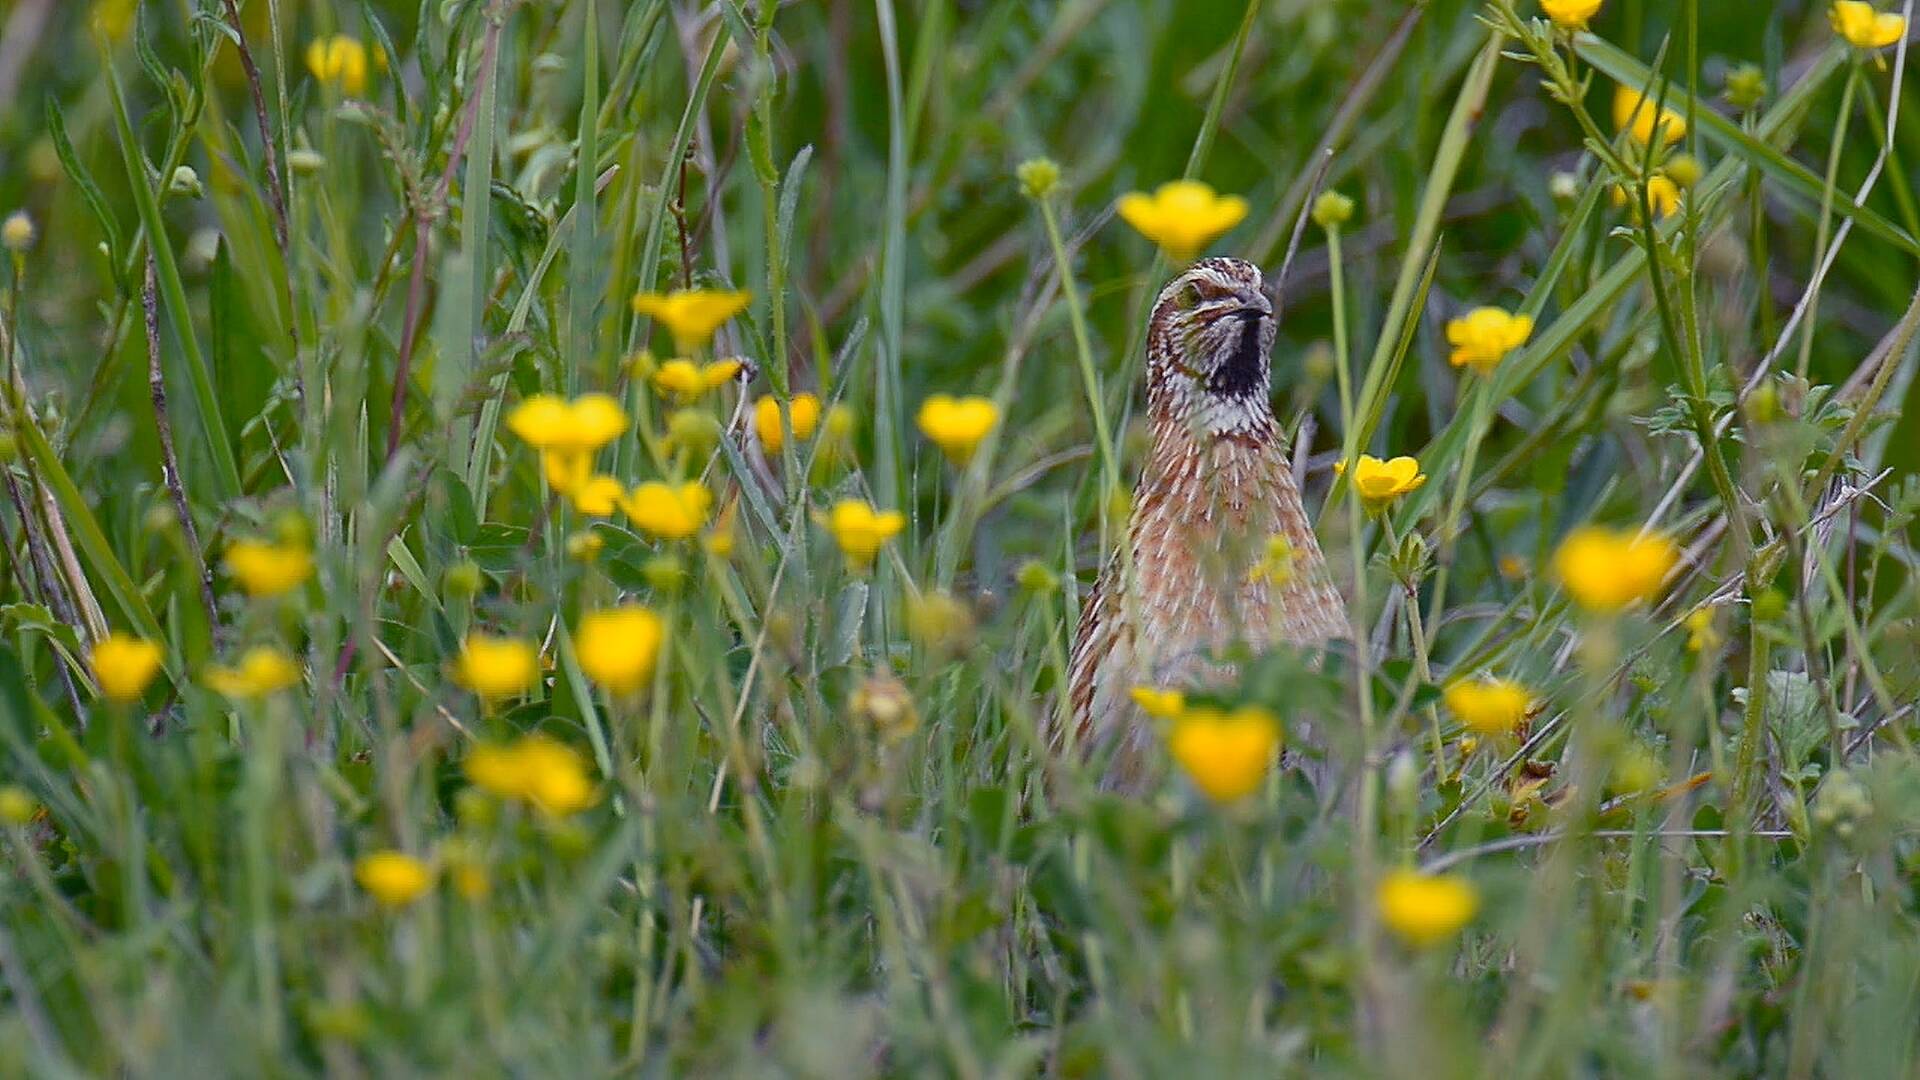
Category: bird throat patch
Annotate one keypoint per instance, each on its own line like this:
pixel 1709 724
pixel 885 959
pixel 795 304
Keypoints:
pixel 1241 374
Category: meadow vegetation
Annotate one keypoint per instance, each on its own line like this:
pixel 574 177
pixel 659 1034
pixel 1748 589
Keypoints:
pixel 543 537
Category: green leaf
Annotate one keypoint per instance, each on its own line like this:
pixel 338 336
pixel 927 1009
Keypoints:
pixel 82 179
pixel 174 296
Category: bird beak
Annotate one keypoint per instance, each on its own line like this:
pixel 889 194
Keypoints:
pixel 1253 305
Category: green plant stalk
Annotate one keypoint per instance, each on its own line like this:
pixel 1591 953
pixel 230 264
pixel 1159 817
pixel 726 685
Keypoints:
pixel 583 289
pixel 1426 223
pixel 1826 213
pixel 226 470
pixel 1083 353
pixel 1368 810
pixel 1480 406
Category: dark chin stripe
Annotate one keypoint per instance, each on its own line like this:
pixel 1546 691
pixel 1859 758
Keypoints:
pixel 1241 374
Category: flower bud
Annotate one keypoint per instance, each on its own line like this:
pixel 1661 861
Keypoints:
pixel 1684 170
pixel 884 704
pixel 665 573
pixel 16 805
pixel 186 182
pixel 18 232
pixel 462 579
pixel 1332 210
pixel 1038 177
pixel 305 162
pixel 586 545
pixel 1038 578
pixel 1746 87
pixel 939 622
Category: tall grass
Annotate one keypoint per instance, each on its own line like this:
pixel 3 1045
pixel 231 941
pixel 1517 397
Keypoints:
pixel 829 836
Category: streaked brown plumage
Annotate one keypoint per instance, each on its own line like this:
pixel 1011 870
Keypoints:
pixel 1217 485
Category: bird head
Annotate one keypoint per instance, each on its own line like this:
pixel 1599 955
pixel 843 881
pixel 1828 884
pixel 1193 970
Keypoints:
pixel 1208 342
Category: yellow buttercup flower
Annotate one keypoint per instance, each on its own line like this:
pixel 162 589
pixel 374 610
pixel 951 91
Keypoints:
pixel 1488 706
pixel 393 878
pixel 268 569
pixel 567 434
pixel 692 315
pixel 860 530
pixel 667 512
pixel 534 769
pixel 1379 483
pixel 1570 14
pixel 1159 704
pixel 1865 28
pixel 1275 565
pixel 1182 216
pixel 339 61
pixel 497 667
pixel 1225 754
pixel 599 495
pixel 1632 111
pixel 803 413
pixel 262 671
pixel 957 425
pixel 1662 193
pixel 124 666
pixel 1701 636
pixel 1484 336
pixel 618 646
pixel 687 381
pixel 1607 569
pixel 1426 909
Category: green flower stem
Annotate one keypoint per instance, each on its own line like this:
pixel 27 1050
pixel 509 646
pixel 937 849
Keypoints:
pixel 1083 350
pixel 1826 211
pixel 1366 826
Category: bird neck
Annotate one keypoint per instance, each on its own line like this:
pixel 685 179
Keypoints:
pixel 1234 452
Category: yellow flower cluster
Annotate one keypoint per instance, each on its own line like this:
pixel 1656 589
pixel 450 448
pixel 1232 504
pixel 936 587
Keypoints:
pixel 861 531
pixel 1379 483
pixel 1488 706
pixel 692 315
pixel 1182 216
pixel 686 381
pixel 1226 753
pixel 1484 336
pixel 803 414
pixel 393 878
pixel 495 668
pixel 957 425
pixel 668 511
pixel 124 666
pixel 617 647
pixel 1426 909
pixel 1633 112
pixel 536 770
pixel 339 61
pixel 1570 14
pixel 1865 28
pixel 1662 194
pixel 1605 570
pixel 262 672
pixel 567 434
pixel 267 569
